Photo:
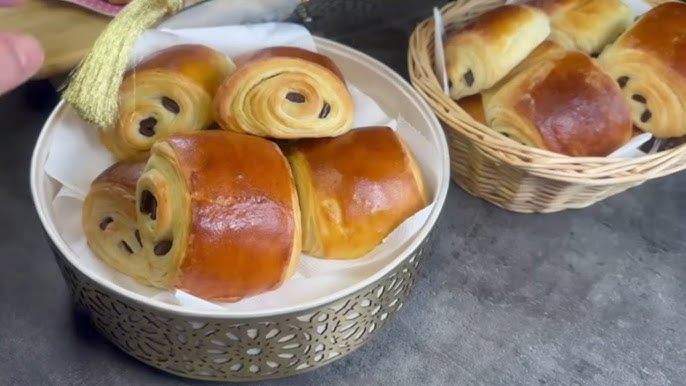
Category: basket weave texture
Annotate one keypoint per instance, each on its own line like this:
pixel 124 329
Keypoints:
pixel 511 175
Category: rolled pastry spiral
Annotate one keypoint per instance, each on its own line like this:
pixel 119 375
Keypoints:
pixel 221 212
pixel 109 220
pixel 649 63
pixel 354 190
pixel 481 54
pixel 167 93
pixel 286 93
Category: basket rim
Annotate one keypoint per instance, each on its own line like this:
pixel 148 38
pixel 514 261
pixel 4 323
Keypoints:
pixel 41 151
pixel 539 162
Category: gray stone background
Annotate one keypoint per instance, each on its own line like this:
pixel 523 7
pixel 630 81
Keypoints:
pixel 583 297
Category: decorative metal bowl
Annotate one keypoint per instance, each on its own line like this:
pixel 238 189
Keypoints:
pixel 214 345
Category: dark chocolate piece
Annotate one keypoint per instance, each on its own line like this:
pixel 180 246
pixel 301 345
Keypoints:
pixel 469 78
pixel 325 111
pixel 127 247
pixel 162 248
pixel 170 105
pixel 147 127
pixel 295 97
pixel 148 204
pixel 105 222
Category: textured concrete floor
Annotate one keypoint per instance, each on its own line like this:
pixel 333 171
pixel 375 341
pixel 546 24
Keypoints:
pixel 585 297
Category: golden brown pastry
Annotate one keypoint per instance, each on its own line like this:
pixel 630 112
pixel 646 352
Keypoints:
pixel 649 63
pixel 167 93
pixel 545 51
pixel 109 220
pixel 354 190
pixel 473 106
pixel 221 212
pixel 585 25
pixel 487 49
pixel 285 92
pixel 565 104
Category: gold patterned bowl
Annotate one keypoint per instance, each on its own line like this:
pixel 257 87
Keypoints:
pixel 214 345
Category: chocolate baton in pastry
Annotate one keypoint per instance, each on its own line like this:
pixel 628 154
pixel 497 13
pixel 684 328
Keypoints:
pixel 169 92
pixel 585 25
pixel 221 212
pixel 109 220
pixel 285 92
pixel 649 63
pixel 565 104
pixel 484 52
pixel 354 190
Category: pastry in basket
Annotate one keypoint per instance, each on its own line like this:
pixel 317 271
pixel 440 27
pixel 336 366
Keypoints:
pixel 565 104
pixel 585 25
pixel 473 106
pixel 167 93
pixel 354 190
pixel 221 212
pixel 487 49
pixel 109 220
pixel 285 92
pixel 649 63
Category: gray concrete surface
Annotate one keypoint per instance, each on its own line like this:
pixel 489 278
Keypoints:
pixel 584 297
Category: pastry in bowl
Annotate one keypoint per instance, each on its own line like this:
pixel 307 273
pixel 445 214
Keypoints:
pixel 285 93
pixel 562 102
pixel 585 25
pixel 109 220
pixel 482 53
pixel 216 215
pixel 649 63
pixel 354 190
pixel 169 92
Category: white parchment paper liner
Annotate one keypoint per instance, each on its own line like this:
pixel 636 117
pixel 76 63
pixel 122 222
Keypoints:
pixel 76 157
pixel 630 150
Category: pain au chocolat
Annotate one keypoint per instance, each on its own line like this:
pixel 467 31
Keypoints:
pixel 560 101
pixel 482 53
pixel 285 93
pixel 109 220
pixel 354 190
pixel 216 215
pixel 648 62
pixel 169 92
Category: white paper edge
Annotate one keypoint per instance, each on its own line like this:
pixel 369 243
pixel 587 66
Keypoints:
pixel 439 54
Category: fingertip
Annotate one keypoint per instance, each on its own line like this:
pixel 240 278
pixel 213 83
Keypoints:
pixel 29 53
pixel 21 56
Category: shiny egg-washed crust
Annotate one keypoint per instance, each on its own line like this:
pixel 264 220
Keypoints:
pixel 565 104
pixel 167 93
pixel 285 93
pixel 481 54
pixel 585 25
pixel 226 216
pixel 473 104
pixel 354 190
pixel 649 63
pixel 109 220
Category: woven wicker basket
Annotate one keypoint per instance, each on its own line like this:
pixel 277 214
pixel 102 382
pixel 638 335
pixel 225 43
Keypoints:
pixel 508 174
